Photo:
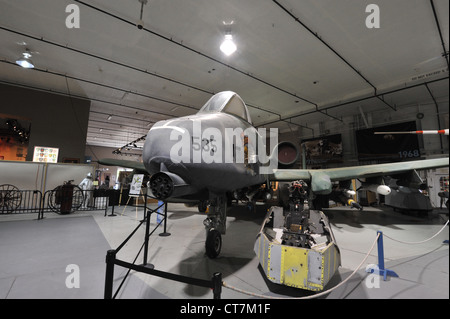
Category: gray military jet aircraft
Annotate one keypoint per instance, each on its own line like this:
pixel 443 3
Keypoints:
pixel 204 157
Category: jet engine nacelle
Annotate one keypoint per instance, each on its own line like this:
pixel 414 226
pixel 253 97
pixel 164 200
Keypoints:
pixel 165 184
pixel 379 189
pixel 288 154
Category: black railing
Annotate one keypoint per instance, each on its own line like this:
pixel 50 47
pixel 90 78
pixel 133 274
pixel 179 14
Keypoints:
pixel 20 201
pixel 111 260
pixel 58 200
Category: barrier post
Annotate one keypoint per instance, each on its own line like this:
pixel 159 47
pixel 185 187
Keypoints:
pixel 165 233
pixel 146 239
pixel 217 285
pixel 109 276
pixel 381 270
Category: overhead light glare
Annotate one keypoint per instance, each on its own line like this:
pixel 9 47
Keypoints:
pixel 228 47
pixel 25 61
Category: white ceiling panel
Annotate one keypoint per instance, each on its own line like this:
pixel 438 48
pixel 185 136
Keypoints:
pixel 285 69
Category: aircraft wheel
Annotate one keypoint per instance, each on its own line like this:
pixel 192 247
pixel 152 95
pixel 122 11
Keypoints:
pixel 213 243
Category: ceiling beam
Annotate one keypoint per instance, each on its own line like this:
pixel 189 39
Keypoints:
pixel 145 71
pixel 334 51
pixel 117 88
pixel 445 54
pixel 85 98
pixel 169 39
pixel 105 86
pixel 358 100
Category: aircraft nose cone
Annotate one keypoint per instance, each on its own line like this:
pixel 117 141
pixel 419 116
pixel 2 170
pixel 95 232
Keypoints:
pixel 160 142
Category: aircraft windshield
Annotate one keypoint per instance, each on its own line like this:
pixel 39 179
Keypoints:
pixel 227 102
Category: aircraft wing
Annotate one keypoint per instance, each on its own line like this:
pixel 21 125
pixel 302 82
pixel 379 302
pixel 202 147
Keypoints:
pixel 321 178
pixel 138 166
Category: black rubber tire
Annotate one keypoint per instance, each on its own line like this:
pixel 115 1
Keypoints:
pixel 213 243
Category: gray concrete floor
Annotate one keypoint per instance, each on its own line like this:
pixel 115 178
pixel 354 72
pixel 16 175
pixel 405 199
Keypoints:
pixel 34 255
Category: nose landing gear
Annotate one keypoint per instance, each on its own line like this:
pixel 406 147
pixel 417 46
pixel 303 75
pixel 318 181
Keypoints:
pixel 215 225
pixel 213 243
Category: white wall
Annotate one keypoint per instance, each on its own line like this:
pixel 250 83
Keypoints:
pixel 41 176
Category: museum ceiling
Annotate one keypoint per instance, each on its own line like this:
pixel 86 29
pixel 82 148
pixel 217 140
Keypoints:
pixel 296 63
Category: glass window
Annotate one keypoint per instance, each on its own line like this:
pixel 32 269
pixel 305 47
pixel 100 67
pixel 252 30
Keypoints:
pixel 237 107
pixel 228 102
pixel 216 103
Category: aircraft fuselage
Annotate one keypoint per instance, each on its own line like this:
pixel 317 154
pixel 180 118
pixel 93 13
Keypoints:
pixel 208 152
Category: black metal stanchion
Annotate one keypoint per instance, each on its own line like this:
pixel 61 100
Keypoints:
pixel 111 198
pixel 112 212
pixel 165 233
pixel 109 276
pixel 147 216
pixel 217 285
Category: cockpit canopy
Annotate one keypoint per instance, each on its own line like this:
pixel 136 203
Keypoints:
pixel 227 102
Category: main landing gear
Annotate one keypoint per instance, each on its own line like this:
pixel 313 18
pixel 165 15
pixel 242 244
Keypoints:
pixel 215 225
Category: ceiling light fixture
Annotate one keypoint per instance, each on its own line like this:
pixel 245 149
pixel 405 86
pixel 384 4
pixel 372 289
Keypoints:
pixel 25 60
pixel 140 23
pixel 228 47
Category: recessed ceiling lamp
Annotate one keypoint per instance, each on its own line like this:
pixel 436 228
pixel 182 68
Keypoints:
pixel 25 60
pixel 228 47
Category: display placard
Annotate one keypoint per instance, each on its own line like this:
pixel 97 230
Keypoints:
pixel 44 154
pixel 136 184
